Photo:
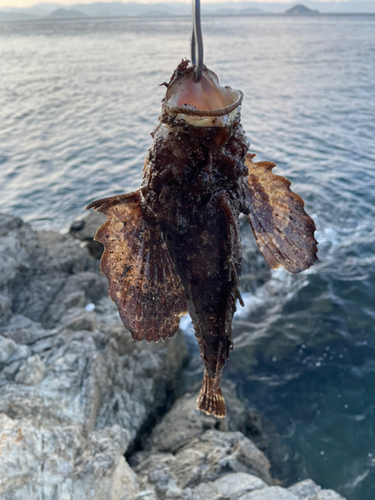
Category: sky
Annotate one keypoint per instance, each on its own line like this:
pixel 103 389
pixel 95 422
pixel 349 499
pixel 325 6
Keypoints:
pixel 30 3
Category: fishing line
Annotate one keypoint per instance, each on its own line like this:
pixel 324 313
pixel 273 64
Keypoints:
pixel 197 42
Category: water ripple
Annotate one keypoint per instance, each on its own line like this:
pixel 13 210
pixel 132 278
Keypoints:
pixel 78 101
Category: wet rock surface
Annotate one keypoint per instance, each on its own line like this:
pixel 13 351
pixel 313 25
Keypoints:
pixel 84 229
pixel 85 413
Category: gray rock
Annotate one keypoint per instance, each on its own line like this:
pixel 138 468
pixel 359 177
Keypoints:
pixel 59 463
pixel 25 331
pixel 147 495
pixel 9 223
pixel 77 290
pixel 236 485
pixel 84 230
pixel 76 392
pixel 329 495
pixel 31 371
pixel 272 493
pixel 5 309
pixel 184 422
pixel 233 452
pixel 180 425
pixel 12 256
pixel 139 381
pixel 22 352
pixel 8 372
pixel 204 491
pixel 308 490
pixel 205 459
pixel 7 348
pixel 31 336
pixel 81 320
pixel 35 268
pixel 305 490
pixel 65 404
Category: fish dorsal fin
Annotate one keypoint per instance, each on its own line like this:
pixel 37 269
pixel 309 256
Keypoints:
pixel 282 229
pixel 141 275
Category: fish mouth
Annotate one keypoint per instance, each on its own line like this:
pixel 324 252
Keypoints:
pixel 201 102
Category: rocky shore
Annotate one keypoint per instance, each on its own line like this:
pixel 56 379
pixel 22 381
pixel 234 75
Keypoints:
pixel 85 413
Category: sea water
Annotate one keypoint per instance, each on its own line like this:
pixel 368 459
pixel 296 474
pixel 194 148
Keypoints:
pixel 78 100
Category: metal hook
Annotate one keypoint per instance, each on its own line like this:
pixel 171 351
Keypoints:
pixel 197 42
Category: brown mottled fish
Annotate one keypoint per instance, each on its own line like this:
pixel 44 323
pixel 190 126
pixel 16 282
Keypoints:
pixel 174 245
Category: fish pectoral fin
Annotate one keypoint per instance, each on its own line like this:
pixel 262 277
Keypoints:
pixel 141 275
pixel 211 399
pixel 282 229
pixel 111 201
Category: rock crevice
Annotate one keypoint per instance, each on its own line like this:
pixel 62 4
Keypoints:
pixel 77 396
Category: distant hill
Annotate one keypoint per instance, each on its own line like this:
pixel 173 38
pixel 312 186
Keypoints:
pixel 301 10
pixel 66 14
pixel 173 8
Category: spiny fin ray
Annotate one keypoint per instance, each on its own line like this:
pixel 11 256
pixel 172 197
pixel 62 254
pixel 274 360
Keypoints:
pixel 141 275
pixel 282 229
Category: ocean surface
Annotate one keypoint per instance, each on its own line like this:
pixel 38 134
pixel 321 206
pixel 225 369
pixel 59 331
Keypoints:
pixel 78 100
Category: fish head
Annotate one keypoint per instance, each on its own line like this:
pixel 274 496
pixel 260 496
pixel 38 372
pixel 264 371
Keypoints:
pixel 202 104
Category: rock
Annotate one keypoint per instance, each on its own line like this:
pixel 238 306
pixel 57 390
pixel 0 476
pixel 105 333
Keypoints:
pixel 305 490
pixel 9 223
pixel 180 425
pixel 184 422
pixel 329 495
pixel 232 486
pixel 236 485
pixel 308 490
pixel 12 256
pixel 83 320
pixel 139 382
pixel 272 493
pixel 34 273
pixel 61 253
pixel 207 458
pixel 77 290
pixel 25 331
pixel 147 495
pixel 9 371
pixel 58 462
pixel 204 491
pixel 32 371
pixel 5 309
pixel 7 348
pixel 76 393
pixel 78 369
pixel 21 352
pixel 84 230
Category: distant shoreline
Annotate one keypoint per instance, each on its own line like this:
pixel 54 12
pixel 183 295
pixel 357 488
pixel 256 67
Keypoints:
pixel 248 14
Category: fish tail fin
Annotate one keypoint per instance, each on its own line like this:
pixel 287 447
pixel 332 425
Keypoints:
pixel 211 399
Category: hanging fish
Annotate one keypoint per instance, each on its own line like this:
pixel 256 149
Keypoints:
pixel 173 246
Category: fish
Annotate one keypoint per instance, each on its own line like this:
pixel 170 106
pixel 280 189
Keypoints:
pixel 173 246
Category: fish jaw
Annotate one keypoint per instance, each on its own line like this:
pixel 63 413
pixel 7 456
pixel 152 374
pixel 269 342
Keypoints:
pixel 202 104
